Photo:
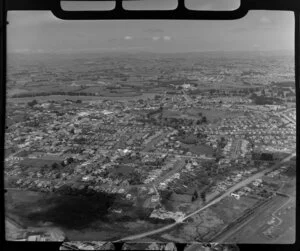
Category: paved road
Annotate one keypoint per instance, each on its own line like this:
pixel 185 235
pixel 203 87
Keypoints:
pixel 292 120
pixel 292 90
pixel 139 236
pixel 241 184
pixel 230 190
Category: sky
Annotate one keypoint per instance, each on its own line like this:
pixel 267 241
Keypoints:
pixel 40 31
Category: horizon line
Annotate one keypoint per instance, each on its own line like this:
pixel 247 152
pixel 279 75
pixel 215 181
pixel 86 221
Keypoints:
pixel 130 51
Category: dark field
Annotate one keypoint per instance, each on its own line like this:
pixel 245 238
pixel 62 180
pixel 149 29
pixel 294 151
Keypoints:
pixel 79 217
pixel 37 163
pixel 74 212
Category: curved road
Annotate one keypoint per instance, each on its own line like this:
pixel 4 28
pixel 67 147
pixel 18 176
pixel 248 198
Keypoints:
pixel 230 190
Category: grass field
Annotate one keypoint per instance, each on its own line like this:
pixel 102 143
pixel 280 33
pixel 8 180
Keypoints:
pixel 252 232
pixel 212 116
pixel 170 114
pixel 83 98
pixel 199 149
pixel 16 91
pixel 36 164
pixel 79 217
pixel 200 225
pixel 230 208
pixel 52 97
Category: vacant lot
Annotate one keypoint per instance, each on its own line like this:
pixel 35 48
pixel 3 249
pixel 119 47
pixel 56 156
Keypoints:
pixel 230 208
pixel 36 164
pixel 289 186
pixel 170 114
pixel 16 91
pixel 199 228
pixel 212 115
pixel 252 231
pixel 199 149
pixel 54 98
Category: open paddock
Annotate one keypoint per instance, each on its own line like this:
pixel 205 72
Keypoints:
pixel 199 149
pixel 252 230
pixel 213 115
pixel 230 208
pixel 38 163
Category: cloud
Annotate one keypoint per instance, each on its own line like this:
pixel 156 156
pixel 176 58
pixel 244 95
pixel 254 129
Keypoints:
pixel 154 30
pixel 167 38
pixel 25 50
pixel 113 40
pixel 155 38
pixel 265 20
pixel 128 37
pixel 136 48
pixel 240 29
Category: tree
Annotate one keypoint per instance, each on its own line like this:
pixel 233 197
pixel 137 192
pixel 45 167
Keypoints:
pixel 195 196
pixel 44 167
pixel 135 178
pixel 54 165
pixel 203 196
pixel 32 103
pixel 106 160
pixel 204 119
pixel 267 156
